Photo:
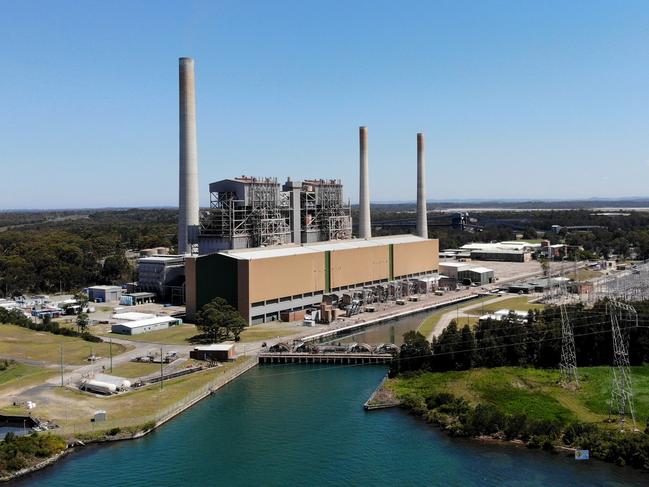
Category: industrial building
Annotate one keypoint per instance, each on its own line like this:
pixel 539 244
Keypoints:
pixel 215 352
pixel 475 275
pixel 451 269
pixel 143 326
pixel 271 248
pixel 250 212
pixel 163 275
pixel 262 283
pixel 133 299
pixel 104 294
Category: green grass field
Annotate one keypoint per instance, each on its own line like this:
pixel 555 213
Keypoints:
pixel 534 392
pixel 428 324
pixel 518 303
pixel 23 375
pixel 267 331
pixel 176 335
pixel 23 343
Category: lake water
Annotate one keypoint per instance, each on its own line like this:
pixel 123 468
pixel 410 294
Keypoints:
pixel 297 425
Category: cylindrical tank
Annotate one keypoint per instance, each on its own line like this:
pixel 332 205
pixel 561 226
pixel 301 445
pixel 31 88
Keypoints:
pixel 99 386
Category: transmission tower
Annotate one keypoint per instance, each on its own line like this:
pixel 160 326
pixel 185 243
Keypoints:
pixel 622 316
pixel 568 364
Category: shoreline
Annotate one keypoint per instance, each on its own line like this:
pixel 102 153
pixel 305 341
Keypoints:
pixel 77 444
pixel 376 321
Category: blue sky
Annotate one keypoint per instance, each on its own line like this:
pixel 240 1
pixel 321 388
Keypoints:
pixel 518 99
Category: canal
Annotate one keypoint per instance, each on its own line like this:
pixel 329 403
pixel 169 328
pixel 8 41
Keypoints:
pixel 305 425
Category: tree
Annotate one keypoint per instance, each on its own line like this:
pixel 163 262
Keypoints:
pixel 115 268
pixel 218 319
pixel 414 353
pixel 82 322
pixel 81 298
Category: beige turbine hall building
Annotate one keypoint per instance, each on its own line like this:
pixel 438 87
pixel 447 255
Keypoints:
pixel 263 282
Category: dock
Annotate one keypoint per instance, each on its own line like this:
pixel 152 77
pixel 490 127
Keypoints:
pixel 341 358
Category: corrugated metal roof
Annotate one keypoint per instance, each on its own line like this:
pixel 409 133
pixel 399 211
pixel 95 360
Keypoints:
pixel 333 245
pixel 218 347
pixel 148 322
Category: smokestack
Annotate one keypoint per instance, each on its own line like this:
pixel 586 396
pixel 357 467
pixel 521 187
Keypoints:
pixel 364 226
pixel 422 215
pixel 188 176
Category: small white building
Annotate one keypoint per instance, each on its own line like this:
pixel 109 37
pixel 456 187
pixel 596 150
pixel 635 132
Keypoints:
pixel 132 316
pixel 147 325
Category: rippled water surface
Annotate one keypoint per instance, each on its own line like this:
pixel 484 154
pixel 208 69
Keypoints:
pixel 296 425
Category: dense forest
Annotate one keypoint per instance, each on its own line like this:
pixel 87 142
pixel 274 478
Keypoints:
pixel 62 252
pixel 66 250
pixel 624 235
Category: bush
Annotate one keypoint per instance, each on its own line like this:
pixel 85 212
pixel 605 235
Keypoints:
pixel 18 452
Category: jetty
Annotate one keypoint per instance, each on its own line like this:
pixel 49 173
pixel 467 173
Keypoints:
pixel 339 358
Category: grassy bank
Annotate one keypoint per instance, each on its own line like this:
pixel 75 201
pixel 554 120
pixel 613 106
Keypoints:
pixel 534 391
pixel 180 335
pixel 21 376
pixel 23 452
pixel 518 303
pixel 527 404
pixel 25 344
pixel 428 324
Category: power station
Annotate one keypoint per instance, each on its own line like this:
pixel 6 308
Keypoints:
pixel 271 248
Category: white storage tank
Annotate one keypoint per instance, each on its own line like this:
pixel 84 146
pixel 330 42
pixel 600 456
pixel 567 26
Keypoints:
pixel 99 386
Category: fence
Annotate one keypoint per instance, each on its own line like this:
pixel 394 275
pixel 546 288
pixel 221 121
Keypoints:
pixel 135 422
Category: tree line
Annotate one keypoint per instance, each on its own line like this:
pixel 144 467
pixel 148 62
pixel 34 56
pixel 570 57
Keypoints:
pixel 536 343
pixel 66 254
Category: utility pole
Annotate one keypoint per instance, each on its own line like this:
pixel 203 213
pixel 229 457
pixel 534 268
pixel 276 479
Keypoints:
pixel 110 354
pixel 161 376
pixel 61 365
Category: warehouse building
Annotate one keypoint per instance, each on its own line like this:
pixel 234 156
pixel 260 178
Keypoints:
pixel 145 326
pixel 104 294
pixel 476 275
pixel 163 275
pixel 451 269
pixel 264 282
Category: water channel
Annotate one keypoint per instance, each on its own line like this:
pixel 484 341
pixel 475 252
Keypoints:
pixel 304 425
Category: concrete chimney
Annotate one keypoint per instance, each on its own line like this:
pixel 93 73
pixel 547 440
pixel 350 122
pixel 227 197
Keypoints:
pixel 364 225
pixel 422 214
pixel 188 175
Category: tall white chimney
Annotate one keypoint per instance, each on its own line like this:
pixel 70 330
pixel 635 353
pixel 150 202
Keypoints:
pixel 364 225
pixel 422 215
pixel 188 175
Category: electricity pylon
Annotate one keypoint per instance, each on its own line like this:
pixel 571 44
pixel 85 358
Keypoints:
pixel 622 315
pixel 568 364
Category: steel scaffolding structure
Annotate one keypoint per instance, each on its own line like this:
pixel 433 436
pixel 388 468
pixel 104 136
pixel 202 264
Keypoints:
pixel 253 212
pixel 324 213
pixel 622 317
pixel 568 364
